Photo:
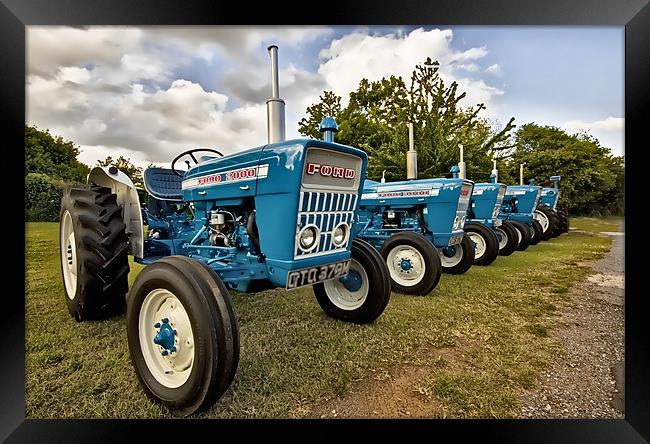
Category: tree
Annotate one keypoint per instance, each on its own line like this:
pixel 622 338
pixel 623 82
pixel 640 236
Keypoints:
pixel 592 179
pixel 52 156
pixel 378 112
pixel 125 165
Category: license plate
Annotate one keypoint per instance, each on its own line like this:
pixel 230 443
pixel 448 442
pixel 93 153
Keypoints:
pixel 455 240
pixel 497 222
pixel 314 275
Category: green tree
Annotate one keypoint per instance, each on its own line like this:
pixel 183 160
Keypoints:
pixel 378 112
pixel 592 179
pixel 52 156
pixel 125 165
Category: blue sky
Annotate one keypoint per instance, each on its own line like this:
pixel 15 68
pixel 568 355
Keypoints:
pixel 148 93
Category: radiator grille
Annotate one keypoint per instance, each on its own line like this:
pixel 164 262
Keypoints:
pixel 325 210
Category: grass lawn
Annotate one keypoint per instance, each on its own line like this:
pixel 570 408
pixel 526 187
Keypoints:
pixel 494 320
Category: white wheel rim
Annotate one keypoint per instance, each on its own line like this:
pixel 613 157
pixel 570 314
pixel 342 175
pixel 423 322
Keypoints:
pixel 542 219
pixel 480 245
pixel 503 238
pixel 341 296
pixel 68 255
pixel 173 369
pixel 518 236
pixel 453 260
pixel 403 274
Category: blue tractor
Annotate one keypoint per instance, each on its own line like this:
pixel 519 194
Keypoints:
pixel 417 226
pixel 493 236
pixel 518 207
pixel 278 215
pixel 549 200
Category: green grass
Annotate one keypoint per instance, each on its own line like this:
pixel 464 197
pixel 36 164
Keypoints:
pixel 492 325
pixel 594 225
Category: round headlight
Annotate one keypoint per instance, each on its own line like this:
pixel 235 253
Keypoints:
pixel 340 235
pixel 308 237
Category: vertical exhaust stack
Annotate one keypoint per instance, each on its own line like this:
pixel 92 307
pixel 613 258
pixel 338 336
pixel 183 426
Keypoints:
pixel 495 173
pixel 462 166
pixel 275 105
pixel 521 173
pixel 411 157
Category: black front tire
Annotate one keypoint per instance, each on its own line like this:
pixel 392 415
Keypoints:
pixel 523 234
pixel 536 233
pixel 432 269
pixel 212 325
pixel 507 232
pixel 466 257
pixel 487 238
pixel 367 302
pixel 100 252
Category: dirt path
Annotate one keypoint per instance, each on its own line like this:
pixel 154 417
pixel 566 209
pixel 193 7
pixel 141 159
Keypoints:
pixel 587 381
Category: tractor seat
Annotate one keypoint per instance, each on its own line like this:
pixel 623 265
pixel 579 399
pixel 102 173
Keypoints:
pixel 163 184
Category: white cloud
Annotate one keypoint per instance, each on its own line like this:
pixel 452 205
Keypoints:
pixel 359 55
pixel 493 69
pixel 118 90
pixel 608 124
pixel 471 67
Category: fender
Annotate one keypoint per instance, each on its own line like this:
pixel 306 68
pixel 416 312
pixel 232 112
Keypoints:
pixel 127 198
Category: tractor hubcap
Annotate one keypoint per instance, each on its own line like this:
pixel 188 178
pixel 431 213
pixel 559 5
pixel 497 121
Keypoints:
pixel 479 245
pixel 166 338
pixel 406 265
pixel 503 238
pixel 451 256
pixel 542 219
pixel 349 292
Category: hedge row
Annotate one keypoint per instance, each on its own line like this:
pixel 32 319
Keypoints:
pixel 42 197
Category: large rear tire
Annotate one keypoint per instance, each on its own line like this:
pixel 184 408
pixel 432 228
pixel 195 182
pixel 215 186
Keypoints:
pixel 362 295
pixel 485 241
pixel 457 259
pixel 413 263
pixel 183 335
pixel 523 234
pixel 93 252
pixel 563 217
pixel 508 240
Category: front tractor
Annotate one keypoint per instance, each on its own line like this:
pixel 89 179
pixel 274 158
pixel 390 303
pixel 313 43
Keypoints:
pixel 549 200
pixel 279 215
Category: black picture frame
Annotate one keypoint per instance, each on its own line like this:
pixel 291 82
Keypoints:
pixel 15 15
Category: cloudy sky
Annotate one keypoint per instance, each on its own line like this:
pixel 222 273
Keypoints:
pixel 149 93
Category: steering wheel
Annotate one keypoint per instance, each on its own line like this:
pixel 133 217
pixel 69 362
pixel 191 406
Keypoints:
pixel 191 154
